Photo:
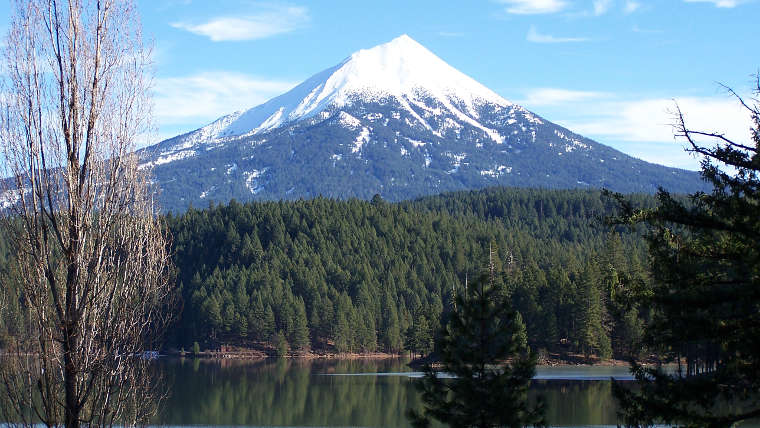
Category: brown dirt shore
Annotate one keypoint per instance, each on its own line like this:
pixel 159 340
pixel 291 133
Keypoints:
pixel 255 354
pixel 235 353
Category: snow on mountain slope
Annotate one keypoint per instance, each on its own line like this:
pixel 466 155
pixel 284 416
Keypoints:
pixel 394 120
pixel 402 69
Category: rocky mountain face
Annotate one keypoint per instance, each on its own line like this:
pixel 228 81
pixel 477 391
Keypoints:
pixel 394 120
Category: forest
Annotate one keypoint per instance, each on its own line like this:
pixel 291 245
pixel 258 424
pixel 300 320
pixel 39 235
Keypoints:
pixel 353 276
pixel 372 276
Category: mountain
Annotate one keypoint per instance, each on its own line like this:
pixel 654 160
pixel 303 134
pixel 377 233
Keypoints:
pixel 397 121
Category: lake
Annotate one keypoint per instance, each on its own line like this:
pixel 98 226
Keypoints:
pixel 343 393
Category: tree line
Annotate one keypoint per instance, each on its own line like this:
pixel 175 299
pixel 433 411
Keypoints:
pixel 366 276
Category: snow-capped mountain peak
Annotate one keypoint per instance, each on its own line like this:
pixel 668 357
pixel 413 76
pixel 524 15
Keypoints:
pixel 393 120
pixel 401 69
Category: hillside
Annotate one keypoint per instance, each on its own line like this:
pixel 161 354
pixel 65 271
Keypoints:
pixel 397 121
pixel 368 276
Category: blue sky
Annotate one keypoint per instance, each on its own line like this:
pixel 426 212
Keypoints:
pixel 607 69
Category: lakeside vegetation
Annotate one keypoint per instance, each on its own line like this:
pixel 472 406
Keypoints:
pixel 367 276
pixel 370 276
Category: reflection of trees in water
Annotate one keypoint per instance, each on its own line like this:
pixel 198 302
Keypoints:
pixel 296 392
pixel 286 393
pixel 577 402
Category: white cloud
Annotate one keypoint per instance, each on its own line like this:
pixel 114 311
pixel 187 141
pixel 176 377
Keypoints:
pixel 268 23
pixel 653 119
pixel 195 100
pixel 533 7
pixel 719 3
pixel 644 124
pixel 602 6
pixel 631 6
pixel 557 96
pixel 641 127
pixel 536 37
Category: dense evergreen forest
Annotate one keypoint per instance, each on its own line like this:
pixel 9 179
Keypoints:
pixel 367 276
pixel 364 276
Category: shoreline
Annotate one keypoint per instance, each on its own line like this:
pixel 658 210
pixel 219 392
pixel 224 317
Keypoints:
pixel 258 355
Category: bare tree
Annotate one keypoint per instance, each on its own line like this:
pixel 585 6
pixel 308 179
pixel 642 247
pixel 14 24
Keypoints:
pixel 91 252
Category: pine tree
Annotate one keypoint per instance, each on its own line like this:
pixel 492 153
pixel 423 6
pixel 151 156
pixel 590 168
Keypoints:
pixel 420 337
pixel 591 315
pixel 391 334
pixel 343 334
pixel 484 347
pixel 706 300
pixel 366 334
pixel 280 345
pixel 212 313
pixel 228 317
pixel 267 327
pixel 299 338
pixel 620 279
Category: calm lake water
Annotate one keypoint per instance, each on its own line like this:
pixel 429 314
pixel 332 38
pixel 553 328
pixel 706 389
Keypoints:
pixel 356 393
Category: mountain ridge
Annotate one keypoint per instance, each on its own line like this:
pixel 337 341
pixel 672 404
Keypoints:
pixel 397 69
pixel 393 120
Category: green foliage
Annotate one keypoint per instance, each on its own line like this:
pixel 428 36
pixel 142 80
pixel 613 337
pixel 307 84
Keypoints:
pixel 196 348
pixel 705 256
pixel 280 345
pixel 419 337
pixel 299 335
pixel 391 327
pixel 591 315
pixel 13 321
pixel 360 276
pixel 485 348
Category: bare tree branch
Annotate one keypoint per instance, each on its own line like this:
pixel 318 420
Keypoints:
pixel 92 255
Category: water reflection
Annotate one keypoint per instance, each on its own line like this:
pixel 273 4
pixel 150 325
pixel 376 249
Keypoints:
pixel 373 393
pixel 284 393
pixel 298 393
pixel 577 403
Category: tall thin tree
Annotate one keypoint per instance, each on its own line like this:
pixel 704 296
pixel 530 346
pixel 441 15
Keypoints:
pixel 91 252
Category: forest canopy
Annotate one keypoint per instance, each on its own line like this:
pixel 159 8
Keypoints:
pixel 372 276
pixel 365 276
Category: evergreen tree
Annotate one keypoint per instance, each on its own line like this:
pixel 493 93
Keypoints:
pixel 420 337
pixel 366 333
pixel 620 280
pixel 344 333
pixel 228 320
pixel 213 314
pixel 484 348
pixel 280 344
pixel 591 315
pixel 391 334
pixel 299 338
pixel 706 300
pixel 384 264
pixel 268 326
